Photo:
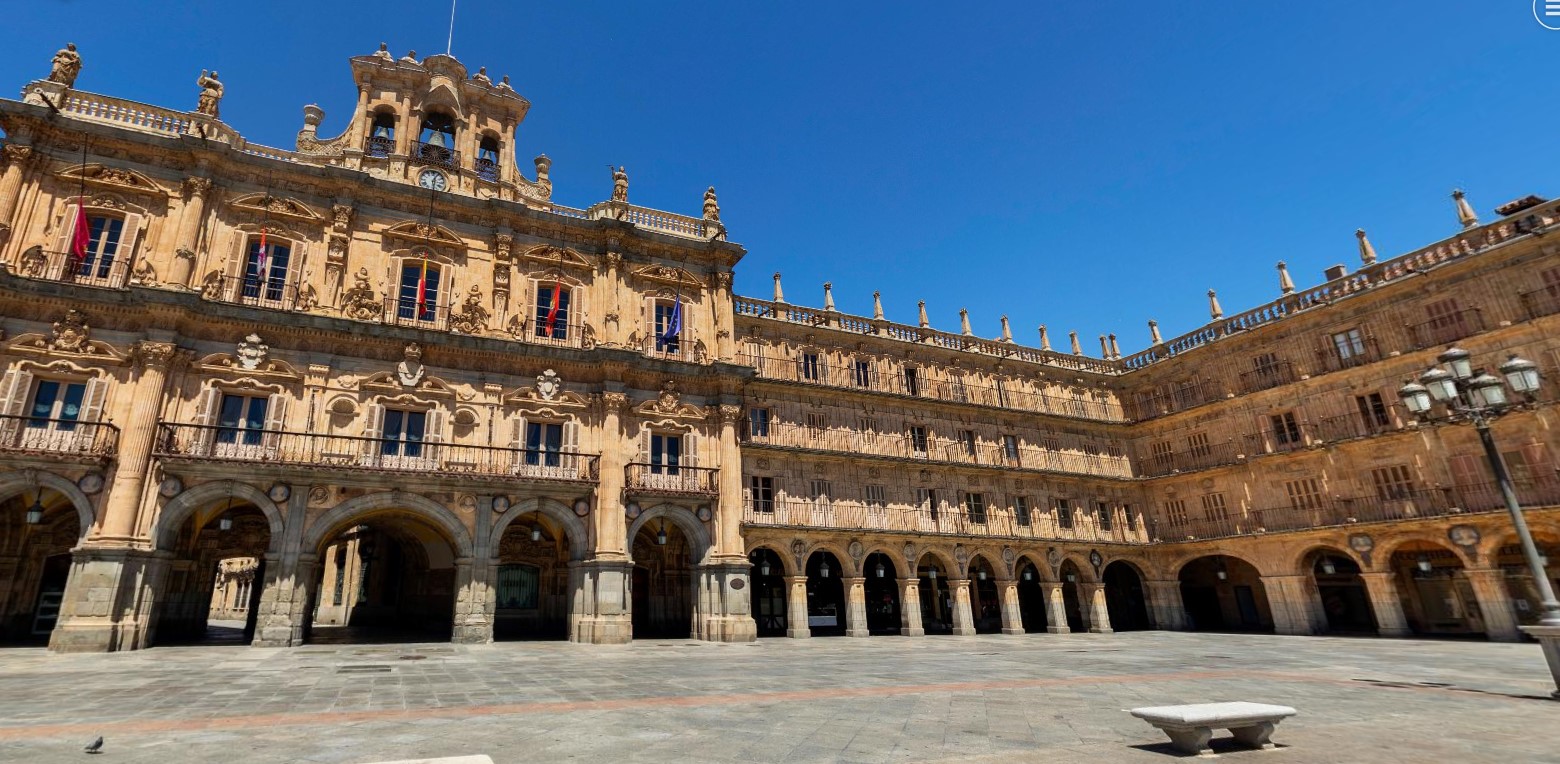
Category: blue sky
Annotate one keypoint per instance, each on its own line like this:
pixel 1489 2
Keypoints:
pixel 1087 164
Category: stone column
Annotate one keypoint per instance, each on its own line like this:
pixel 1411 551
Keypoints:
pixel 1381 588
pixel 1095 608
pixel 16 159
pixel 1012 612
pixel 728 514
pixel 1164 601
pixel 1500 617
pixel 611 528
pixel 910 608
pixel 599 602
pixel 856 608
pixel 796 608
pixel 122 508
pixel 472 592
pixel 963 618
pixel 189 231
pixel 725 346
pixel 724 611
pixel 1289 599
pixel 283 590
pixel 1055 609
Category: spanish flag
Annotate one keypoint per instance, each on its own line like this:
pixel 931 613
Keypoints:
pixel 552 312
pixel 422 290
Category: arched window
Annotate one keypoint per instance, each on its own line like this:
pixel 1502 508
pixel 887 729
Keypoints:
pixel 265 269
pixel 487 158
pixel 418 299
pixel 436 141
pixel 381 136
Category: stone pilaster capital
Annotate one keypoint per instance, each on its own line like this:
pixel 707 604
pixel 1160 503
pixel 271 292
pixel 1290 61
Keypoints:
pixel 502 244
pixel 17 154
pixel 614 260
pixel 729 413
pixel 196 187
pixel 156 354
pixel 723 279
pixel 613 402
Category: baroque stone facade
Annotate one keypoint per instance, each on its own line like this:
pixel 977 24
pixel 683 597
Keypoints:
pixel 382 380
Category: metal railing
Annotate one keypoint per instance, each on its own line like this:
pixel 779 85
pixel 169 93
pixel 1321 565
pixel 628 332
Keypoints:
pixel 672 479
pixel 1173 398
pixel 1542 302
pixel 429 153
pixel 1332 359
pixel 1200 457
pixel 272 293
pixel 487 169
pixel 564 334
pixel 95 270
pixel 1447 328
pixel 1354 425
pixel 1275 441
pixel 379 147
pixel 1268 376
pixel 826 513
pixel 407 312
pixel 356 453
pixel 39 435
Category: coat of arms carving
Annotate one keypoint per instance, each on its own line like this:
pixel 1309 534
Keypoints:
pixel 251 352
pixel 72 333
pixel 548 385
pixel 410 370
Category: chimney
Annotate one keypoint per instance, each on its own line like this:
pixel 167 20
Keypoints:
pixel 1335 272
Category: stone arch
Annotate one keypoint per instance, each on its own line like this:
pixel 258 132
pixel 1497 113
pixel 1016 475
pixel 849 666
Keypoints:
pixel 1086 572
pixel 1186 558
pixel 552 509
pixel 943 558
pixel 787 563
pixel 165 530
pixel 19 481
pixel 419 506
pixel 1300 562
pixel 1043 572
pixel 1382 554
pixel 680 516
pixel 1137 566
pixel 839 552
pixel 872 548
pixel 993 562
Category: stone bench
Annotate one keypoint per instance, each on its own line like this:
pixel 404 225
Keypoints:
pixel 1190 726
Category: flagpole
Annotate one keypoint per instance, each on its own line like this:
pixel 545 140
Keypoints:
pixel 449 45
pixel 80 236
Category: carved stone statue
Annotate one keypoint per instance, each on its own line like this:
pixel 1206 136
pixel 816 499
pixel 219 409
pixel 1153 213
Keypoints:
pixel 34 261
pixel 67 64
pixel 620 185
pixel 472 318
pixel 711 206
pixel 211 286
pixel 143 274
pixel 359 301
pixel 210 93
pixel 482 76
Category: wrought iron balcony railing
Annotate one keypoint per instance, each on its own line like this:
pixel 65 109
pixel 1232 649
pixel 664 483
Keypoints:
pixel 672 479
pixel 39 435
pixel 1199 457
pixel 379 146
pixel 95 270
pixel 429 153
pixel 410 312
pixel 353 453
pixel 487 169
pixel 1542 302
pixel 272 293
pixel 1448 328
pixel 1268 376
pixel 1002 522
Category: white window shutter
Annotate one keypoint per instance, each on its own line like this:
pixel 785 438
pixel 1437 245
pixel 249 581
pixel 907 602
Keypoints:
pixel 126 253
pixel 294 273
pixel 433 426
pixel 275 420
pixel 691 450
pixel 67 226
pixel 206 409
pixel 571 436
pixel 644 445
pixel 517 443
pixel 373 428
pixel 92 399
pixel 649 328
pixel 14 389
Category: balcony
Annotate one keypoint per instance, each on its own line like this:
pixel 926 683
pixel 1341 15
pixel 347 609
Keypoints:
pixel 1177 398
pixel 487 169
pixel 36 263
pixel 440 156
pixel 672 480
pixel 60 438
pixel 1448 328
pixel 1200 457
pixel 1268 376
pixel 565 334
pixel 379 147
pixel 407 312
pixel 1271 441
pixel 1356 425
pixel 1334 358
pixel 191 442
pixel 997 522
pixel 1542 302
pixel 255 291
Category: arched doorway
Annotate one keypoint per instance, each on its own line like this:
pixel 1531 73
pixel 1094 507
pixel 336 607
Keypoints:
pixel 1438 599
pixel 531 582
pixel 1341 590
pixel 1223 593
pixel 663 581
pixel 882 594
pixel 825 595
pixel 385 577
pixel 769 592
pixel 1031 597
pixel 984 602
pixel 936 600
pixel 1125 600
pixel 1520 585
pixel 211 591
pixel 38 528
pixel 1072 603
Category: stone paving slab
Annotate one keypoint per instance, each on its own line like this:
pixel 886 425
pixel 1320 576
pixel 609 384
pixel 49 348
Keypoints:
pixel 1052 698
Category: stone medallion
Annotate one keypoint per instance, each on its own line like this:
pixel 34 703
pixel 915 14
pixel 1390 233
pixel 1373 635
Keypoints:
pixel 170 487
pixel 582 507
pixel 279 492
pixel 1463 535
pixel 1362 543
pixel 90 483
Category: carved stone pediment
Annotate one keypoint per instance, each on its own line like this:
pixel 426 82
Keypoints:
pixel 276 206
pixel 46 344
pixel 669 274
pixel 391 382
pixel 548 254
pixel 231 362
pixel 669 404
pixel 117 178
pixel 423 232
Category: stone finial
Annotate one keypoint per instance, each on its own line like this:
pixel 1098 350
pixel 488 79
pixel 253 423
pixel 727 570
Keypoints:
pixel 1007 331
pixel 1465 214
pixel 921 307
pixel 828 295
pixel 1045 338
pixel 1213 305
pixel 711 205
pixel 779 294
pixel 1153 331
pixel 964 322
pixel 1115 350
pixel 543 167
pixel 877 306
pixel 1104 347
pixel 1076 348
pixel 1367 252
pixel 1286 285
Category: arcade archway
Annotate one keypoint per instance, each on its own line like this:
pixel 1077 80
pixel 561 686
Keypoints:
pixel 1341 590
pixel 1072 601
pixel 985 604
pixel 664 558
pixel 1438 599
pixel 1224 593
pixel 211 590
pixel 1125 599
pixel 825 595
pixel 38 528
pixel 386 576
pixel 769 592
pixel 882 594
pixel 1031 597
pixel 936 598
pixel 531 581
pixel 1520 585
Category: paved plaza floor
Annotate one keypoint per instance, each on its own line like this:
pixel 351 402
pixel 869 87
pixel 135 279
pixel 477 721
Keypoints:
pixel 1050 698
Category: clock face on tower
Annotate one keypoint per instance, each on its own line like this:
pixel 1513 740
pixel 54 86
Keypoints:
pixel 432 179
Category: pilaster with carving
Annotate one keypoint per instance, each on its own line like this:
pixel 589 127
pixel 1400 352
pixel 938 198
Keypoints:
pixel 17 158
pixel 503 247
pixel 611 526
pixel 191 216
pixel 728 516
pixel 611 321
pixel 122 509
pixel 338 237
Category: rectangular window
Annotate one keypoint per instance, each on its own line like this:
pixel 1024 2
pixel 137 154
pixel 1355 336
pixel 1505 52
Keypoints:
pixel 1286 431
pixel 1021 510
pixel 863 374
pixel 868 427
pixel 1002 398
pixel 811 367
pixel 1213 507
pixel 403 433
pixel 103 235
pixel 60 402
pixel 1064 513
pixel 543 442
pixel 1163 454
pixel 1197 444
pixel 518 587
pixel 758 423
pixel 959 391
pixel 558 327
pixel 1373 412
pixel 1394 482
pixel 926 501
pixel 418 299
pixel 918 440
pixel 1102 514
pixel 265 273
pixel 1010 449
pixel 1304 495
pixel 1350 346
pixel 241 418
pixel 670 323
pixel 912 381
pixel 665 454
pixel 975 506
pixel 967 438
pixel 1175 512
pixel 1265 365
pixel 817 424
pixel 763 492
pixel 876 496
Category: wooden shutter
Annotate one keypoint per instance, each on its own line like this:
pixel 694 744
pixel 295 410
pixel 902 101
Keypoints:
pixel 433 426
pixel 275 420
pixel 644 445
pixel 14 389
pixel 207 406
pixel 92 411
pixel 517 443
pixel 125 255
pixel 690 456
pixel 571 445
pixel 373 429
pixel 294 278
